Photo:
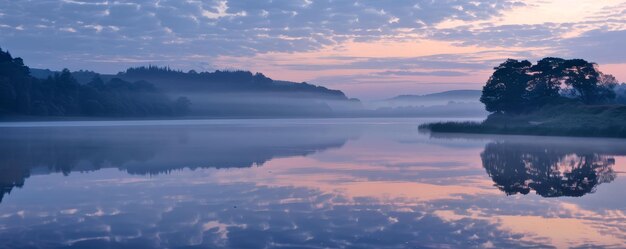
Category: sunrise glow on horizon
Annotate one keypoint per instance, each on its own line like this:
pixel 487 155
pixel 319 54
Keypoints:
pixel 368 49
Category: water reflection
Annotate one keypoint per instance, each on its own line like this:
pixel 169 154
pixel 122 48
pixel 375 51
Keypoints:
pixel 550 169
pixel 549 166
pixel 155 149
pixel 343 184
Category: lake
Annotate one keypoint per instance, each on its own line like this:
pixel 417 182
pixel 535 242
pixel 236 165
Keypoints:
pixel 304 183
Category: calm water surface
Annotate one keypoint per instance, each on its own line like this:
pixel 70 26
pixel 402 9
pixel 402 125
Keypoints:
pixel 364 183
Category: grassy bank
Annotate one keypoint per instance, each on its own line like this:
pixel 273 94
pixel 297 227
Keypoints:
pixel 554 120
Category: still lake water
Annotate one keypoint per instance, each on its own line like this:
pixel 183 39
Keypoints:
pixel 313 183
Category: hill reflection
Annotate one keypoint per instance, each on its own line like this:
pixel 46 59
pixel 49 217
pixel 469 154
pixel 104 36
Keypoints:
pixel 155 149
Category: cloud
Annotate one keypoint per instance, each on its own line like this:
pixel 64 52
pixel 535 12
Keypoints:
pixel 597 45
pixel 504 35
pixel 428 73
pixel 405 63
pixel 365 79
pixel 437 64
pixel 218 28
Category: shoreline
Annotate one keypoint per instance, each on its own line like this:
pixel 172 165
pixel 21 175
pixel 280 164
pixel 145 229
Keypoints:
pixel 15 119
pixel 564 120
pixel 523 130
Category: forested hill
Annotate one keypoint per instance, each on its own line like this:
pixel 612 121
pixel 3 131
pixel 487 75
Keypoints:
pixel 157 91
pixel 60 94
pixel 234 93
pixel 225 81
pixel 176 81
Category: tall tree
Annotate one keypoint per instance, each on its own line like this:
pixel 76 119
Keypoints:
pixel 15 83
pixel 545 81
pixel 588 84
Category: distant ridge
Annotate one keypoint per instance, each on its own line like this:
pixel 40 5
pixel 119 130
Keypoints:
pixel 232 93
pixel 432 99
pixel 460 94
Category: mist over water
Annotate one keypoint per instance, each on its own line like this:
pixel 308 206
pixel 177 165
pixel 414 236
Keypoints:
pixel 374 183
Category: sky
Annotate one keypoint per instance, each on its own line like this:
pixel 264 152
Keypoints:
pixel 369 49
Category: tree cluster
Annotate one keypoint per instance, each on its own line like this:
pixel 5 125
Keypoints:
pixel 519 86
pixel 61 95
pixel 227 81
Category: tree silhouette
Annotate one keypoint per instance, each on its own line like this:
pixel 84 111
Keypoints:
pixel 505 89
pixel 61 95
pixel 518 86
pixel 589 84
pixel 545 83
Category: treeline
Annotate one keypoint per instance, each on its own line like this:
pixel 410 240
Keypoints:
pixel 61 95
pixel 519 86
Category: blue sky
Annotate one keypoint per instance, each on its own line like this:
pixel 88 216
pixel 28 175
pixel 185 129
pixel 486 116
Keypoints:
pixel 370 49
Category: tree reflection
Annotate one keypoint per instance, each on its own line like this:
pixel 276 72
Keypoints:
pixel 11 178
pixel 150 150
pixel 551 170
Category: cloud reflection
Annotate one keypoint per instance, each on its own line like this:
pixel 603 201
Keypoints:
pixel 389 187
pixel 154 149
